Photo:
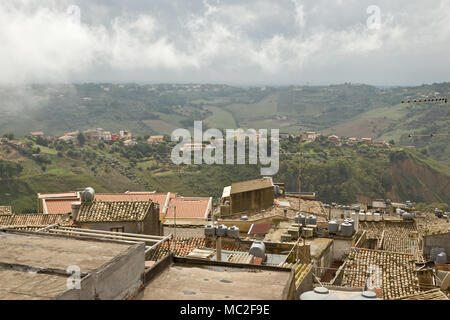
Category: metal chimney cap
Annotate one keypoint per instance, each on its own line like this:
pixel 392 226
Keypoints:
pixel 321 290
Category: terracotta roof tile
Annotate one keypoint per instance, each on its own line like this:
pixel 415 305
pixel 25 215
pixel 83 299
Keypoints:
pixel 188 208
pixel 5 210
pixel 103 211
pixel 59 206
pixel 159 198
pixel 33 220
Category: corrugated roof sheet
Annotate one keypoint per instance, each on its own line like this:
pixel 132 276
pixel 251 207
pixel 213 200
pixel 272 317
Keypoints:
pixel 99 211
pixel 251 185
pixel 188 208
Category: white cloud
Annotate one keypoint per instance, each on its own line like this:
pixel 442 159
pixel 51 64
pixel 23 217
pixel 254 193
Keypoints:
pixel 227 41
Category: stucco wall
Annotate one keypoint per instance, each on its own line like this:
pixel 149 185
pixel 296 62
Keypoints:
pixel 341 249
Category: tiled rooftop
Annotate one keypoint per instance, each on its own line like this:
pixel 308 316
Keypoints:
pixel 5 210
pixel 99 211
pixel 59 206
pixel 188 208
pixel 28 221
pixel 398 276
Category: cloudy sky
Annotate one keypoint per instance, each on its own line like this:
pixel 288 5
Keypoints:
pixel 283 42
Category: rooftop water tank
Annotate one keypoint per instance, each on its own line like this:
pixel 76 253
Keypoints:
pixel 346 229
pixel 244 218
pixel 435 252
pixel 366 295
pixel 333 226
pixel 356 208
pixel 376 217
pixel 441 258
pixel 407 216
pixel 352 222
pixel 362 216
pixel 210 230
pixel 319 293
pixel 303 220
pixel 221 230
pixel 311 220
pixel 258 249
pixel 369 216
pixel 297 219
pixel 233 232
pixel 87 195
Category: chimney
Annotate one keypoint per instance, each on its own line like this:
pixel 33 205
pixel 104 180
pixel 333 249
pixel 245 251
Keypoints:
pixel 75 210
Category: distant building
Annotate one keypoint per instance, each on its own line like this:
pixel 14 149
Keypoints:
pixel 251 195
pixel 333 138
pixel 37 134
pixel 125 134
pixel 68 139
pixel 107 136
pixel 310 136
pixel 129 143
pixel 115 137
pixel 367 140
pixel 155 140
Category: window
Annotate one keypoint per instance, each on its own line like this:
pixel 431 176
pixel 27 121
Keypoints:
pixel 121 229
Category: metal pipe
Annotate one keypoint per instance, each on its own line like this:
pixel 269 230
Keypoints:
pixel 158 243
pixel 97 235
pixel 119 233
pixel 48 227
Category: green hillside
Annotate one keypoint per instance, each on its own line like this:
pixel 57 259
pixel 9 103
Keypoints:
pixel 340 174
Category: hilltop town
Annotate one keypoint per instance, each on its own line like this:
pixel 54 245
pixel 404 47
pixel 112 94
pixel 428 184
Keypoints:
pixel 139 245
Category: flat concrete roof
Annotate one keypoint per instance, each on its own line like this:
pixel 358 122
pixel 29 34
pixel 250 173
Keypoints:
pixel 207 282
pixel 318 246
pixel 57 252
pixel 17 285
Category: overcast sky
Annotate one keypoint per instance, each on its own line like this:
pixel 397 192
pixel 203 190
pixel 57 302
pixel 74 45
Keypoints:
pixel 236 42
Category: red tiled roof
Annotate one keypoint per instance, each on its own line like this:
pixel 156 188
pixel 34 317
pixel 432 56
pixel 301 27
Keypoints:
pixel 159 198
pixel 188 208
pixel 109 211
pixel 33 220
pixel 260 228
pixel 59 206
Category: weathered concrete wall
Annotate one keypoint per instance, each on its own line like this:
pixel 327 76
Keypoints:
pixel 115 280
pixel 122 276
pixel 437 241
pixel 129 227
pixel 341 249
pixel 252 200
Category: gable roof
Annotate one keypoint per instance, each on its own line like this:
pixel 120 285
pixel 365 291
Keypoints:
pixel 32 220
pixel 103 211
pixel 251 185
pixel 197 208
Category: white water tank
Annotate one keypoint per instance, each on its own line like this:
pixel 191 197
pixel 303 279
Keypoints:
pixel 369 216
pixel 303 220
pixel 434 253
pixel 366 295
pixel 441 258
pixel 333 226
pixel 233 232
pixel 362 216
pixel 407 216
pixel 258 249
pixel 87 195
pixel 319 293
pixel 244 218
pixel 311 220
pixel 221 231
pixel 346 229
pixel 297 219
pixel 376 217
pixel 210 230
